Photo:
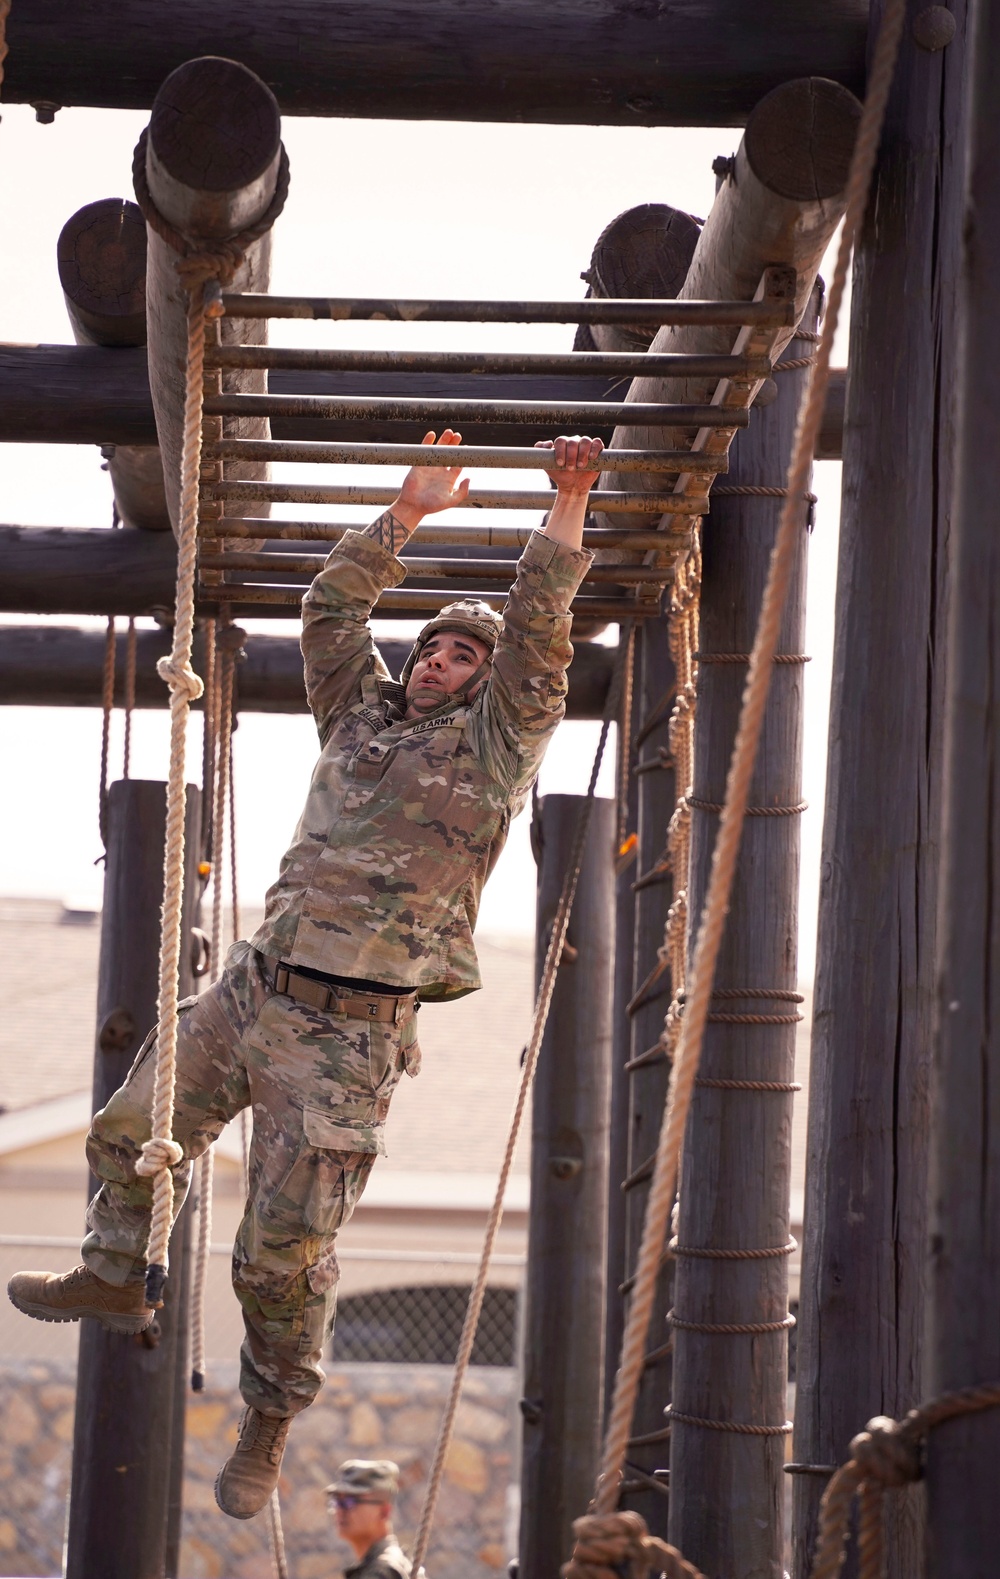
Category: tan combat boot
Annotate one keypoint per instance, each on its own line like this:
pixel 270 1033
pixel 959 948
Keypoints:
pixel 68 1296
pixel 245 1482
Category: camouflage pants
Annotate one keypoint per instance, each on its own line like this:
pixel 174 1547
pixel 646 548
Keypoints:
pixel 319 1087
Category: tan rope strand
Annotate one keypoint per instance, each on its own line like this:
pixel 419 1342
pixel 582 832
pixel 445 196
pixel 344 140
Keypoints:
pixel 129 696
pixel 199 1282
pixel 685 1067
pixel 234 896
pixel 161 1152
pixel 107 707
pixel 543 1001
pixel 224 724
pixel 276 1536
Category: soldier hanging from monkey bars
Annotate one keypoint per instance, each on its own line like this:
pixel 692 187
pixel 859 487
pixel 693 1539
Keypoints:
pixel 312 1022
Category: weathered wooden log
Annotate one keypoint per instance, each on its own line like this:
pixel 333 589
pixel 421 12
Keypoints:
pixel 646 251
pixel 54 394
pixel 128 1438
pixel 59 666
pixel 964 1347
pixel 863 1282
pixel 727 1487
pixel 779 205
pixel 102 269
pixel 564 1288
pixel 212 160
pixel 571 61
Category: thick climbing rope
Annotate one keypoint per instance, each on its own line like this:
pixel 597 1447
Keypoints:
pixel 887 1453
pixel 202 266
pixel 700 980
pixel 543 1002
pixel 161 1152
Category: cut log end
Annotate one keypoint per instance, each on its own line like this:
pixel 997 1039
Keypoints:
pixel 101 256
pixel 215 125
pixel 646 251
pixel 800 138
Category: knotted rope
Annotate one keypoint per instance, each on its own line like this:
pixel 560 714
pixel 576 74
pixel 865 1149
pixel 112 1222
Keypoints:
pixel 201 260
pixel 543 1002
pixel 700 979
pixel 887 1453
pixel 606 1546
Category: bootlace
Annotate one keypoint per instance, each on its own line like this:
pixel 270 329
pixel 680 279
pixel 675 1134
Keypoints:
pixel 265 1432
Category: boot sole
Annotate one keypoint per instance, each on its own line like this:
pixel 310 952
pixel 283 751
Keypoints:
pixel 228 1511
pixel 127 1325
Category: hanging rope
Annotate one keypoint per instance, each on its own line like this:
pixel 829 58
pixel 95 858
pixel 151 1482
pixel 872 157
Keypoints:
pixel 129 696
pixel 107 707
pixel 699 988
pixel 161 1152
pixel 543 1002
pixel 887 1453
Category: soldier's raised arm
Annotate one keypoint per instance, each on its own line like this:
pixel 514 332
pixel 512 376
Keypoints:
pixel 337 646
pixel 526 693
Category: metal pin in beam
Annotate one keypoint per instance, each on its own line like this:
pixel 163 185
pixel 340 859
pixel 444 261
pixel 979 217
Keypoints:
pixel 639 313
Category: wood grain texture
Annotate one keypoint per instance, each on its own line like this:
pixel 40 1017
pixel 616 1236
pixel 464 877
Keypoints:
pixel 56 394
pixel 863 1282
pixel 964 1346
pixel 128 1430
pixel 727 1490
pixel 567 1241
pixel 754 225
pixel 597 62
pixel 60 666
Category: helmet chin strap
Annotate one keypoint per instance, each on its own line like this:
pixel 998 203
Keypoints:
pixel 453 699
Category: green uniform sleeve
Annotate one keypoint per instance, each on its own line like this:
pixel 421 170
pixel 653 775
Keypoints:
pixel 526 692
pixel 337 646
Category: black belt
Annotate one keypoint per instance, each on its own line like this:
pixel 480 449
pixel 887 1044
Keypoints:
pixel 331 998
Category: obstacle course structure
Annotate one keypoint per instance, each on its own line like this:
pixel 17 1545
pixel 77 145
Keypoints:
pixel 693 483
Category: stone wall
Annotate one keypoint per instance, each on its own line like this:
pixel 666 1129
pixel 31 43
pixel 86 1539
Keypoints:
pixel 365 1411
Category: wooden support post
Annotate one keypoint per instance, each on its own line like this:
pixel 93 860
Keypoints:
pixel 212 160
pixel 779 205
pixel 129 1428
pixel 641 1110
pixel 863 1283
pixel 102 270
pixel 727 1488
pixel 575 62
pixel 964 1347
pixel 564 1294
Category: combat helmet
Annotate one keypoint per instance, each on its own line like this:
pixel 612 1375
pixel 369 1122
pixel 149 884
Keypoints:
pixel 474 618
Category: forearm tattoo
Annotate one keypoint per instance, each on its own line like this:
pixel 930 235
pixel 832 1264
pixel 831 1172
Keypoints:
pixel 389 532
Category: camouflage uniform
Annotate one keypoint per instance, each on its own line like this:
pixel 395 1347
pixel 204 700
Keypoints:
pixel 402 825
pixel 385 1560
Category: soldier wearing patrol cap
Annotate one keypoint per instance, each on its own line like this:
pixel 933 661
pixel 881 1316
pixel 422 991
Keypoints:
pixel 312 1022
pixel 361 1496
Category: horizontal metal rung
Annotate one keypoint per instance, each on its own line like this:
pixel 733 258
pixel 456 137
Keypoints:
pixel 496 456
pixel 477 498
pixel 453 569
pixel 452 536
pixel 406 603
pixel 589 364
pixel 383 408
pixel 640 313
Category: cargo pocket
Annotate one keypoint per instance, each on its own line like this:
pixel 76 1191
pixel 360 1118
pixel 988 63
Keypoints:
pixel 316 1194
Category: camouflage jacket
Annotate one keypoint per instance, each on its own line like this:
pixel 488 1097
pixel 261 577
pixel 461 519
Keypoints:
pixel 384 1560
pixel 404 821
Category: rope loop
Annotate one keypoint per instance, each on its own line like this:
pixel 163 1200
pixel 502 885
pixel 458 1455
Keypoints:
pixel 202 260
pixel 158 1154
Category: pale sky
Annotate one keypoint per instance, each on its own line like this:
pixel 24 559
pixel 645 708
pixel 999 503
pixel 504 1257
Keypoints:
pixel 375 208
